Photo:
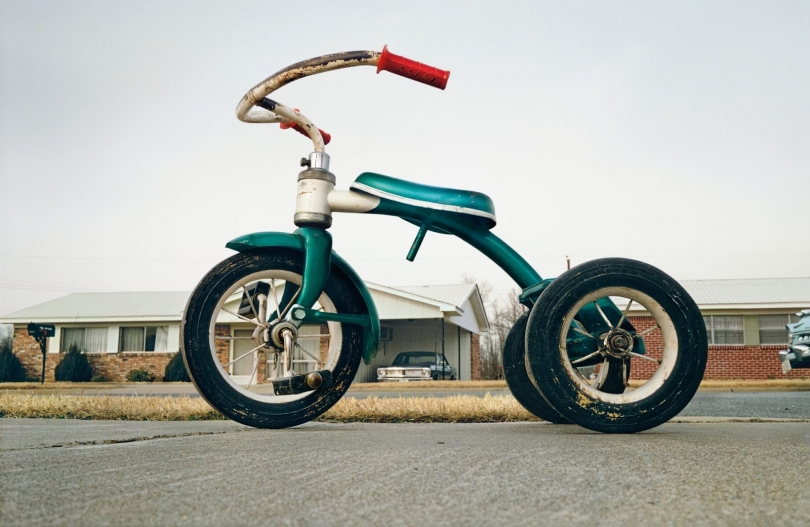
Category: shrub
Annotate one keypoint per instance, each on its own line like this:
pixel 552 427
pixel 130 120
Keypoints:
pixel 99 378
pixel 11 369
pixel 176 370
pixel 73 367
pixel 139 375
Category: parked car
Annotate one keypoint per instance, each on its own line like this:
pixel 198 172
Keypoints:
pixel 417 366
pixel 798 353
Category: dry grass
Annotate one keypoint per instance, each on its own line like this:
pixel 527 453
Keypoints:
pixel 458 409
pixel 16 404
pixel 427 385
pixel 454 409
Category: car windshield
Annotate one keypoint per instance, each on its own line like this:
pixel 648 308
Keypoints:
pixel 414 359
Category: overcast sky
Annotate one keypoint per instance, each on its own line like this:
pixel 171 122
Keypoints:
pixel 677 133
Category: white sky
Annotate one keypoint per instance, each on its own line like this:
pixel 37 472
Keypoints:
pixel 677 133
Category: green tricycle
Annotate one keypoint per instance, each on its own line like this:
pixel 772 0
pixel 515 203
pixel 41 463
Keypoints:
pixel 273 336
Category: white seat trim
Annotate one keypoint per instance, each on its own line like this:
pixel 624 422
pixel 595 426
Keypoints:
pixel 419 203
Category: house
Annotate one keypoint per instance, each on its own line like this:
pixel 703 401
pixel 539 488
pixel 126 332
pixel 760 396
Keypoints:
pixel 121 332
pixel 745 323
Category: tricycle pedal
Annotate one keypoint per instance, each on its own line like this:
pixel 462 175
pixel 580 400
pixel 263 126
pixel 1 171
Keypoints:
pixel 296 384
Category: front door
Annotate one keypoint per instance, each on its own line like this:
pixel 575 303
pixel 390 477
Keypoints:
pixel 242 369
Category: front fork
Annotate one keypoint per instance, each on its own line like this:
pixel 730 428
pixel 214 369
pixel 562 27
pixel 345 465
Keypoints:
pixel 317 262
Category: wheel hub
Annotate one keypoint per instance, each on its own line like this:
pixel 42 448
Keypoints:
pixel 618 343
pixel 277 333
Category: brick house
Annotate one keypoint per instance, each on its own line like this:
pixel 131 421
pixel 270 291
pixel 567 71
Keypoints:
pixel 745 322
pixel 120 332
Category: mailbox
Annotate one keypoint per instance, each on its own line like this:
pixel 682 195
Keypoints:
pixel 41 330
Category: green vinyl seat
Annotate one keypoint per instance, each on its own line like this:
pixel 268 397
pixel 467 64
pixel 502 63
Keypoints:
pixel 475 206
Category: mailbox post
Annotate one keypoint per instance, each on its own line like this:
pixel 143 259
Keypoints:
pixel 41 332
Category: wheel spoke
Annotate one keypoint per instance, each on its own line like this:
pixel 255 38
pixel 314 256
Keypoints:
pixel 255 369
pixel 308 354
pixel 640 356
pixel 237 315
pixel 290 303
pixel 217 337
pixel 603 315
pixel 624 314
pixel 275 295
pixel 586 357
pixel 600 377
pixel 647 330
pixel 585 333
pixel 240 357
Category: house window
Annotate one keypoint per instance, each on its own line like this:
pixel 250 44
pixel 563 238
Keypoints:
pixel 88 340
pixel 725 329
pixel 772 328
pixel 149 338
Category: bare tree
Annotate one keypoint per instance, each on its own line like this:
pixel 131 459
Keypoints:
pixel 502 314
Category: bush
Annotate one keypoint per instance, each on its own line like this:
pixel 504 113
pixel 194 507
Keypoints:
pixel 73 367
pixel 99 378
pixel 11 369
pixel 176 370
pixel 139 375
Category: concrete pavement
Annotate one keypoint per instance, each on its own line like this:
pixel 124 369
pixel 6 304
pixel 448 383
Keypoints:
pixel 219 473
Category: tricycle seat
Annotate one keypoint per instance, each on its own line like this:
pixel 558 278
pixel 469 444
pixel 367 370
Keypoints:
pixel 476 206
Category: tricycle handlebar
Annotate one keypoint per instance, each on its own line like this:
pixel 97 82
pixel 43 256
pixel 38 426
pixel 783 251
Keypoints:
pixel 278 113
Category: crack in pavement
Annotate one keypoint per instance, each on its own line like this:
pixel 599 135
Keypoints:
pixel 100 442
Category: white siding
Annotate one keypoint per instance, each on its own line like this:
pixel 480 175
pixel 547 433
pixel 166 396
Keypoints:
pixel 467 319
pixel 397 307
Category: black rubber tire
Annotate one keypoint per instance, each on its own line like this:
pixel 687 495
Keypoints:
pixel 206 372
pixel 615 378
pixel 514 371
pixel 551 368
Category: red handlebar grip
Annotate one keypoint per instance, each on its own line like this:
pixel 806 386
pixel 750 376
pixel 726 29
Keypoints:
pixel 295 126
pixel 412 69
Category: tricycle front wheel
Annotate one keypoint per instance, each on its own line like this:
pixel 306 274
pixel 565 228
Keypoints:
pixel 233 366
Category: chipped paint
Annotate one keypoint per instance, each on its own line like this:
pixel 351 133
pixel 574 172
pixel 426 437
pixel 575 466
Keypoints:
pixel 279 113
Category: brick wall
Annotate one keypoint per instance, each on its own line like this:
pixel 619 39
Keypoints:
pixel 475 357
pixel 112 366
pixel 116 366
pixel 30 354
pixel 725 362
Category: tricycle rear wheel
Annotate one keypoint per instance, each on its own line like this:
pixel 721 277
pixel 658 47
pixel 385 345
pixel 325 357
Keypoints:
pixel 671 329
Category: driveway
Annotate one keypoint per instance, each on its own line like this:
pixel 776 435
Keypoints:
pixel 219 473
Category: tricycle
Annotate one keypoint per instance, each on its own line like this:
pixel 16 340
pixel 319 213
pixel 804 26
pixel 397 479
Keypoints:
pixel 307 318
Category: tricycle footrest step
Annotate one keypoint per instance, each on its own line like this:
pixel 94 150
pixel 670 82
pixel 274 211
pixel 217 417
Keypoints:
pixel 296 384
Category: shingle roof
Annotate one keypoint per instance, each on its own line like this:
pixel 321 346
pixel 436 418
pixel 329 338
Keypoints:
pixel 749 291
pixel 105 305
pixel 146 305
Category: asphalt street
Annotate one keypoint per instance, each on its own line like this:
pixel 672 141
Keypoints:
pixel 69 473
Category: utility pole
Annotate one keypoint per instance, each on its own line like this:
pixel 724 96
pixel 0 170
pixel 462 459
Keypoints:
pixel 568 262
